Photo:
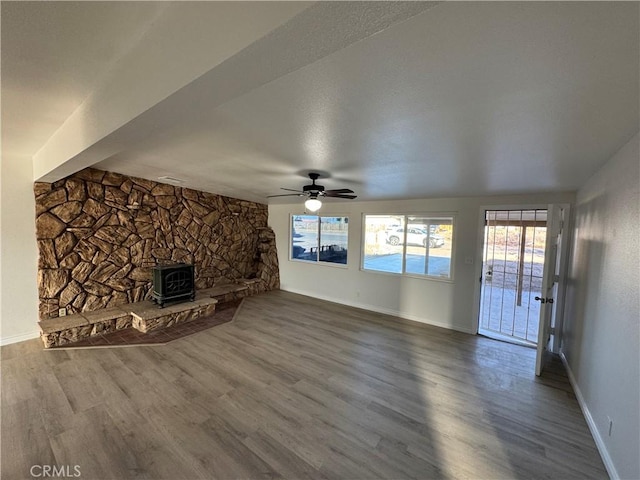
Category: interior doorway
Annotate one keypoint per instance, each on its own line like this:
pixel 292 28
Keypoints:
pixel 513 262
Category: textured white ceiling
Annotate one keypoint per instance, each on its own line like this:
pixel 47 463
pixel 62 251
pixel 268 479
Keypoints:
pixel 54 55
pixel 396 101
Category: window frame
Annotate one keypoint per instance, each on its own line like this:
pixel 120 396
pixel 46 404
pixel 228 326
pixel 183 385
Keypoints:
pixel 319 235
pixel 430 215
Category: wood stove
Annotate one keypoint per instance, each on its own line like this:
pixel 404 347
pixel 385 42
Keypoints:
pixel 172 283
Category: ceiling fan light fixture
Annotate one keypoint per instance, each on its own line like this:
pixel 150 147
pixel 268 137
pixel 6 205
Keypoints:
pixel 313 204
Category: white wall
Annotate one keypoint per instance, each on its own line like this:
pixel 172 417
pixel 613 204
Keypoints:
pixel 447 304
pixel 602 322
pixel 18 251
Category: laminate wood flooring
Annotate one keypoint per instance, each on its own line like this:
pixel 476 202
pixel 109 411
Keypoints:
pixel 294 388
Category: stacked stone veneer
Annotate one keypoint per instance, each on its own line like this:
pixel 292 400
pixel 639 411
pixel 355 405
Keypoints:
pixel 100 233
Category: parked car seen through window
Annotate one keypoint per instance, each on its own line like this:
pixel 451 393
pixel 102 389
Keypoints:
pixel 415 236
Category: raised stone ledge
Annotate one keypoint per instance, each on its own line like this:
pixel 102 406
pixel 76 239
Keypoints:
pixel 254 285
pixel 63 323
pixel 249 281
pixel 144 316
pixel 231 291
pixel 224 289
pixel 119 315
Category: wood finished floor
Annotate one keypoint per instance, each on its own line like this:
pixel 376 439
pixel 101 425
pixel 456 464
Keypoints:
pixel 294 388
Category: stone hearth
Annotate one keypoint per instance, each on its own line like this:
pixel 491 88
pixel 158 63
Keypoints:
pixel 144 316
pixel 225 313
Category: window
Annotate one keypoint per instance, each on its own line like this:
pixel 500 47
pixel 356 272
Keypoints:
pixel 408 244
pixel 319 239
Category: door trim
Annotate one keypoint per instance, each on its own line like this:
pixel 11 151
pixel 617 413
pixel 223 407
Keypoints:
pixel 556 313
pixel 567 233
pixel 552 256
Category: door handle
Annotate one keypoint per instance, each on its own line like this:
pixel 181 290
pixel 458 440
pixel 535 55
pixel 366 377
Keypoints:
pixel 544 300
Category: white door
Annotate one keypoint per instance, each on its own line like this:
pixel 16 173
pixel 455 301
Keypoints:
pixel 551 297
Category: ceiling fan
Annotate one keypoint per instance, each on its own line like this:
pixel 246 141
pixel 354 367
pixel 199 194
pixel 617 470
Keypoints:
pixel 314 192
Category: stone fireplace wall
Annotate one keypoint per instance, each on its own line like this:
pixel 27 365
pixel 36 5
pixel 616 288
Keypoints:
pixel 99 233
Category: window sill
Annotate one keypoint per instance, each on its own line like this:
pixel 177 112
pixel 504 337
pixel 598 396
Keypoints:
pixel 325 264
pixel 409 275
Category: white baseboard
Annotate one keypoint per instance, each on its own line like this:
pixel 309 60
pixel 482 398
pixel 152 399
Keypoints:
pixel 373 308
pixel 19 338
pixel 595 433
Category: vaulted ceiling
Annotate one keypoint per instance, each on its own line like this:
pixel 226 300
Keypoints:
pixel 390 99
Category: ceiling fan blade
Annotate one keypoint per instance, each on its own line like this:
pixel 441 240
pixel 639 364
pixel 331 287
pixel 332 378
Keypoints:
pixel 286 195
pixel 290 190
pixel 339 195
pixel 340 190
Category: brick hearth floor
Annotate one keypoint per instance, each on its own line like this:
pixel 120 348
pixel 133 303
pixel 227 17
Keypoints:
pixel 130 336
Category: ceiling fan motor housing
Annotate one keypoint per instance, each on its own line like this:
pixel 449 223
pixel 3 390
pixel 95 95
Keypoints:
pixel 313 188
